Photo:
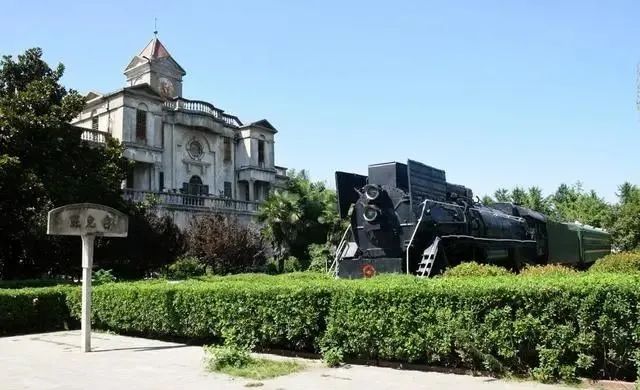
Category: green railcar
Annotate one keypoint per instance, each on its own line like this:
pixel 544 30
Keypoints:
pixel 576 244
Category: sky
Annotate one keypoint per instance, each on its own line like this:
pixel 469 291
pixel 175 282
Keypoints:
pixel 497 93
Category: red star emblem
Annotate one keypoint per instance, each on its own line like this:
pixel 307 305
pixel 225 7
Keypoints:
pixel 368 271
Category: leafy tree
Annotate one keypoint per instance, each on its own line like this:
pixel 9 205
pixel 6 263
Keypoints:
pixel 502 195
pixel 531 198
pixel 304 213
pixel 572 203
pixel 44 164
pixel 487 200
pixel 625 218
pixel 152 242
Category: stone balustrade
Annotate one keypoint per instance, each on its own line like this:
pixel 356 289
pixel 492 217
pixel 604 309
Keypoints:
pixel 200 107
pixel 280 171
pixel 95 136
pixel 211 203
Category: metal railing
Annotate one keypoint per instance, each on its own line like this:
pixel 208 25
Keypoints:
pixel 200 107
pixel 96 136
pixel 191 201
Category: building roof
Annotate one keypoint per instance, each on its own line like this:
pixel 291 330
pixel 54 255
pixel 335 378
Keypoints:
pixel 263 123
pixel 154 51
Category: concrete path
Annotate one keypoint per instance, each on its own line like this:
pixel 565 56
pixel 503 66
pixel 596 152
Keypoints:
pixel 53 361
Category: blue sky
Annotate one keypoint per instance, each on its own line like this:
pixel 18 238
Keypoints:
pixel 497 93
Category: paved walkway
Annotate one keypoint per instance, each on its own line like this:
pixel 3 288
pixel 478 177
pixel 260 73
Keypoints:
pixel 53 361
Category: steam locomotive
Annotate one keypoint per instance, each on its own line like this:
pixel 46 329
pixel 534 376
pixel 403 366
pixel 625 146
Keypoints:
pixel 406 218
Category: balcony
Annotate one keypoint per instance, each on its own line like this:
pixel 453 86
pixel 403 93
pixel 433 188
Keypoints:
pixel 94 136
pixel 192 202
pixel 200 107
pixel 281 171
pixel 256 173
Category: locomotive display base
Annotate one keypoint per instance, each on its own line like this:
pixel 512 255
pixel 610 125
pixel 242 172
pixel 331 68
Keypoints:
pixel 366 268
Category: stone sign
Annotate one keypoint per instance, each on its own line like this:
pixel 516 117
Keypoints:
pixel 87 220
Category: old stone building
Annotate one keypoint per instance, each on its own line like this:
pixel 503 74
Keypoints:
pixel 189 155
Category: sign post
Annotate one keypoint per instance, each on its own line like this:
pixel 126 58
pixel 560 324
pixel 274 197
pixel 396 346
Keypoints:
pixel 87 220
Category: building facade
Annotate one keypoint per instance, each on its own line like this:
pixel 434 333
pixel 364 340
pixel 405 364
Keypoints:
pixel 188 154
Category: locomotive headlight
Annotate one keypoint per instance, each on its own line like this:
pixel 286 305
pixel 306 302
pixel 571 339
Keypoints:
pixel 371 191
pixel 371 213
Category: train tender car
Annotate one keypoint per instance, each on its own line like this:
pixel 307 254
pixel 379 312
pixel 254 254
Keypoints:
pixel 406 218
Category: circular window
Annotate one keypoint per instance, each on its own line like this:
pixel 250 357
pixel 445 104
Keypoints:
pixel 195 150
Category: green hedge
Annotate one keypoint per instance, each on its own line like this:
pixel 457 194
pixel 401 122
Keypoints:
pixel 29 310
pixel 549 327
pixel 286 312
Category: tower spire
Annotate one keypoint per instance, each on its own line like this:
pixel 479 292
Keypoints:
pixel 155 26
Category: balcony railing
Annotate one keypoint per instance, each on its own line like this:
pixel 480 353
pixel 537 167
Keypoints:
pixel 212 203
pixel 200 107
pixel 280 171
pixel 99 137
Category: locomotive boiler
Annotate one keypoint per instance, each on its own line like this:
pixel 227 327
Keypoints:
pixel 406 218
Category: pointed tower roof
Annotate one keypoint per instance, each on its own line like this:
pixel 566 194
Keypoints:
pixel 154 51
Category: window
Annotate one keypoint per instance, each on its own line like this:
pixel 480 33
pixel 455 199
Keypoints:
pixel 261 153
pixel 94 123
pixel 227 149
pixel 161 181
pixel 130 182
pixel 141 123
pixel 227 189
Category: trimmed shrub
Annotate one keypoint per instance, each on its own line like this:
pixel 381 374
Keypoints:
pixel 475 269
pixel 260 310
pixel 623 262
pixel 30 310
pixel 548 270
pixel 552 328
pixel 185 267
pixel 548 327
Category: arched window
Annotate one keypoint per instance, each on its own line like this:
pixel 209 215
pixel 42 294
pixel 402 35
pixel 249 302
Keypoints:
pixel 195 179
pixel 141 122
pixel 195 186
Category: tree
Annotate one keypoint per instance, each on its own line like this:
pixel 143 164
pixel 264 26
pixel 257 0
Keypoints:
pixel 531 198
pixel 304 213
pixel 44 164
pixel 487 200
pixel 502 195
pixel 572 203
pixel 625 219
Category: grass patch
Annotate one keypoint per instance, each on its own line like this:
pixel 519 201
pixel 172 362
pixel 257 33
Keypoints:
pixel 236 361
pixel 262 369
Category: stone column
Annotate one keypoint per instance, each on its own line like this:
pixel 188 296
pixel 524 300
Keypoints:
pixel 251 191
